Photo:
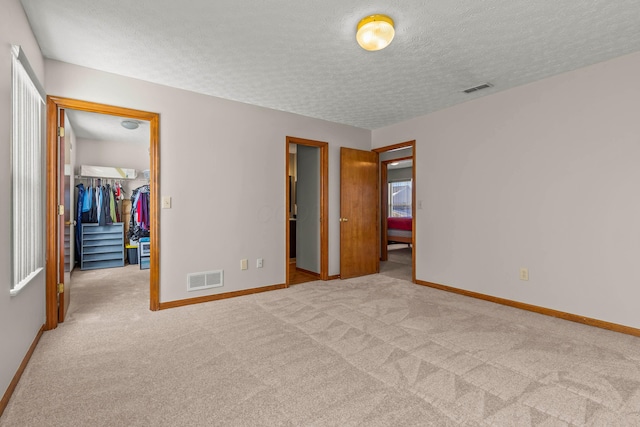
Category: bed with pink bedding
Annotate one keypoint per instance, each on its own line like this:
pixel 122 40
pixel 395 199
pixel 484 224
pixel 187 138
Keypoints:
pixel 399 229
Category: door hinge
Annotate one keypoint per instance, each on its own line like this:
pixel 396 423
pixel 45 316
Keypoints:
pixel 60 288
pixel 60 210
pixel 60 131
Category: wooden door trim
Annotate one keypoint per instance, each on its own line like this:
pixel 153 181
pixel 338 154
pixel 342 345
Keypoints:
pixel 60 120
pixel 324 203
pixel 53 103
pixel 397 146
pixel 384 197
pixel 383 209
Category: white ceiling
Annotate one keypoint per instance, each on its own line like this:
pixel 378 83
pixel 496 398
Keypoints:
pixel 401 164
pixel 106 128
pixel 302 57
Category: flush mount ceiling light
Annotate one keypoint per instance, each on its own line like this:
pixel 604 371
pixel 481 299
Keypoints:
pixel 375 32
pixel 130 124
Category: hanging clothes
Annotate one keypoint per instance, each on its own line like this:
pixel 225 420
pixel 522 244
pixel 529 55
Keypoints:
pixel 85 211
pixel 112 205
pixel 87 205
pixel 99 204
pixel 119 197
pixel 105 209
pixel 93 213
pixel 139 222
pixel 79 213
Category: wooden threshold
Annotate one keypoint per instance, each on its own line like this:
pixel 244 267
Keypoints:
pixel 309 272
pixel 300 275
pixel 207 298
pixel 16 378
pixel 537 309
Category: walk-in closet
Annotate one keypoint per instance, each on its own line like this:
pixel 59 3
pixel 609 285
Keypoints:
pixel 110 224
pixel 108 160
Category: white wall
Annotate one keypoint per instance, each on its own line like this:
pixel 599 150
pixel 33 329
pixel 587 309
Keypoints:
pixel 117 154
pixel 223 162
pixel 308 208
pixel 21 316
pixel 396 154
pixel 399 174
pixel 543 176
pixel 112 153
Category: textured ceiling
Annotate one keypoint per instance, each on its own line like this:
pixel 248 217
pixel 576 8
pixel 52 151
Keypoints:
pixel 103 127
pixel 302 57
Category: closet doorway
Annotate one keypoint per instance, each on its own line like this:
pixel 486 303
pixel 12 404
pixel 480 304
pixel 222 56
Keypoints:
pixel 307 186
pixel 68 152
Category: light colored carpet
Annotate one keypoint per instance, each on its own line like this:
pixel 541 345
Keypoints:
pixel 398 264
pixel 371 351
pixel 400 254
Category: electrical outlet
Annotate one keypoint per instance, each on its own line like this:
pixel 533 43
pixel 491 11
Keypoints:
pixel 524 273
pixel 259 263
pixel 244 264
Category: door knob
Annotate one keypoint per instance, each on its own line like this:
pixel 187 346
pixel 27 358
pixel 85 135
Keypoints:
pixel 344 219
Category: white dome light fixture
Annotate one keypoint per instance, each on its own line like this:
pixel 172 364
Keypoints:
pixel 375 32
pixel 130 124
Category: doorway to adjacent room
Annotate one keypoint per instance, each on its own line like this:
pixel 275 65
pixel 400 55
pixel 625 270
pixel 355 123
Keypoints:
pixel 397 208
pixel 307 187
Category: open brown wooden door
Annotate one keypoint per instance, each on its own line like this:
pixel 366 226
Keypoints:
pixel 64 225
pixel 359 231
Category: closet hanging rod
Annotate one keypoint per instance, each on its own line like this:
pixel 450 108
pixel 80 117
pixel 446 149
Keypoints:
pixel 108 177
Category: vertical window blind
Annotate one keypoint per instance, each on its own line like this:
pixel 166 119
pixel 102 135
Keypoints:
pixel 400 199
pixel 27 172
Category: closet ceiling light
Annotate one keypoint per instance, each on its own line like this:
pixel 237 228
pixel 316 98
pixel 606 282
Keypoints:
pixel 130 124
pixel 375 32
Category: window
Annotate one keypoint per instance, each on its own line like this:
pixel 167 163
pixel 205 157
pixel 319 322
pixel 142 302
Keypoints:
pixel 400 198
pixel 27 136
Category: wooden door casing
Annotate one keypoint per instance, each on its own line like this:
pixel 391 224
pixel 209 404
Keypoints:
pixel 53 104
pixel 64 293
pixel 412 145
